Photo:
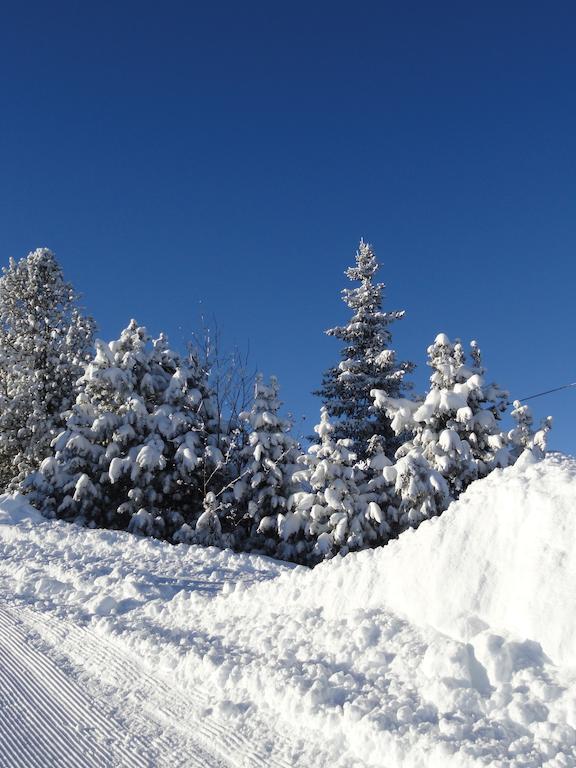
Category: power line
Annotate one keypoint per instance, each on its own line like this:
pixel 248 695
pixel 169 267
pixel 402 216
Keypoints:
pixel 548 391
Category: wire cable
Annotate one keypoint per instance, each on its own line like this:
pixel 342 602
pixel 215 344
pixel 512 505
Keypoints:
pixel 548 391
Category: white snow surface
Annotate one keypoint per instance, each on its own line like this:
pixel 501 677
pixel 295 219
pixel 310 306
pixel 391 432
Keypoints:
pixel 451 647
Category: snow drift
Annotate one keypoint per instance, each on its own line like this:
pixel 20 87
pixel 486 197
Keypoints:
pixel 503 555
pixel 449 648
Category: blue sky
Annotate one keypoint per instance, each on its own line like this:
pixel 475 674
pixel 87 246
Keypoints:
pixel 224 159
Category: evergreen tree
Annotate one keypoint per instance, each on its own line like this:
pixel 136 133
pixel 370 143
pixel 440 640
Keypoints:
pixel 266 468
pixel 45 342
pixel 134 450
pixel 539 444
pixel 367 362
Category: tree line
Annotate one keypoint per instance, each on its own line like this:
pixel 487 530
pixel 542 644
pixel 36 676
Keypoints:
pixel 133 435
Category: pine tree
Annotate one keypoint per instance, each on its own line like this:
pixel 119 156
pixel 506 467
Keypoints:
pixel 367 362
pixel 134 450
pixel 265 469
pixel 333 516
pixel 45 342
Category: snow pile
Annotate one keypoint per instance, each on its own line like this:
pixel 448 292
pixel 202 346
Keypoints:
pixel 449 648
pixel 503 555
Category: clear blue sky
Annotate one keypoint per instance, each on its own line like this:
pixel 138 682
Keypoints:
pixel 225 158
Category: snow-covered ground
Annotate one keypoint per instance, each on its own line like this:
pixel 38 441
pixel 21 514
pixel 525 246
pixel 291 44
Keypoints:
pixel 452 647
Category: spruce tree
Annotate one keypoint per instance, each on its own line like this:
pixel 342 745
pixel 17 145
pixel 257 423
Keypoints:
pixel 45 341
pixel 134 448
pixel 367 362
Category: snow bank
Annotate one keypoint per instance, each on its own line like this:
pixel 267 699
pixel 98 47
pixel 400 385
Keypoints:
pixel 449 647
pixel 503 555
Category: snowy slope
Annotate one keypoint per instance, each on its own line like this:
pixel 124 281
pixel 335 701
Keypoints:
pixel 504 554
pixel 449 648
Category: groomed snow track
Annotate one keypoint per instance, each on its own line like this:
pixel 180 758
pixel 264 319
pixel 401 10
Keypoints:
pixel 48 719
pixel 70 697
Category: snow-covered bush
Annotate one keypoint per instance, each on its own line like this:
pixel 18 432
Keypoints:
pixel 367 362
pixel 45 342
pixel 134 453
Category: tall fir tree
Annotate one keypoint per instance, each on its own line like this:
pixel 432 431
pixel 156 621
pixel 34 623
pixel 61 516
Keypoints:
pixel 45 341
pixel 367 362
pixel 134 451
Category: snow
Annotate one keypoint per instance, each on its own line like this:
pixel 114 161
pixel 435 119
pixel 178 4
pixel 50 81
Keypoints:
pixel 503 555
pixel 452 647
pixel 14 510
pixel 117 468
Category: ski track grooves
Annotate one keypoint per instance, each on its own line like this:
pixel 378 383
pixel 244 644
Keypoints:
pixel 160 706
pixel 51 721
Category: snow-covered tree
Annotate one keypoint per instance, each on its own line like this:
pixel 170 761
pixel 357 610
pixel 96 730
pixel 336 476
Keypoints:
pixel 378 477
pixel 45 342
pixel 133 454
pixel 216 431
pixel 421 490
pixel 367 362
pixel 455 430
pixel 522 434
pixel 333 516
pixel 265 469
